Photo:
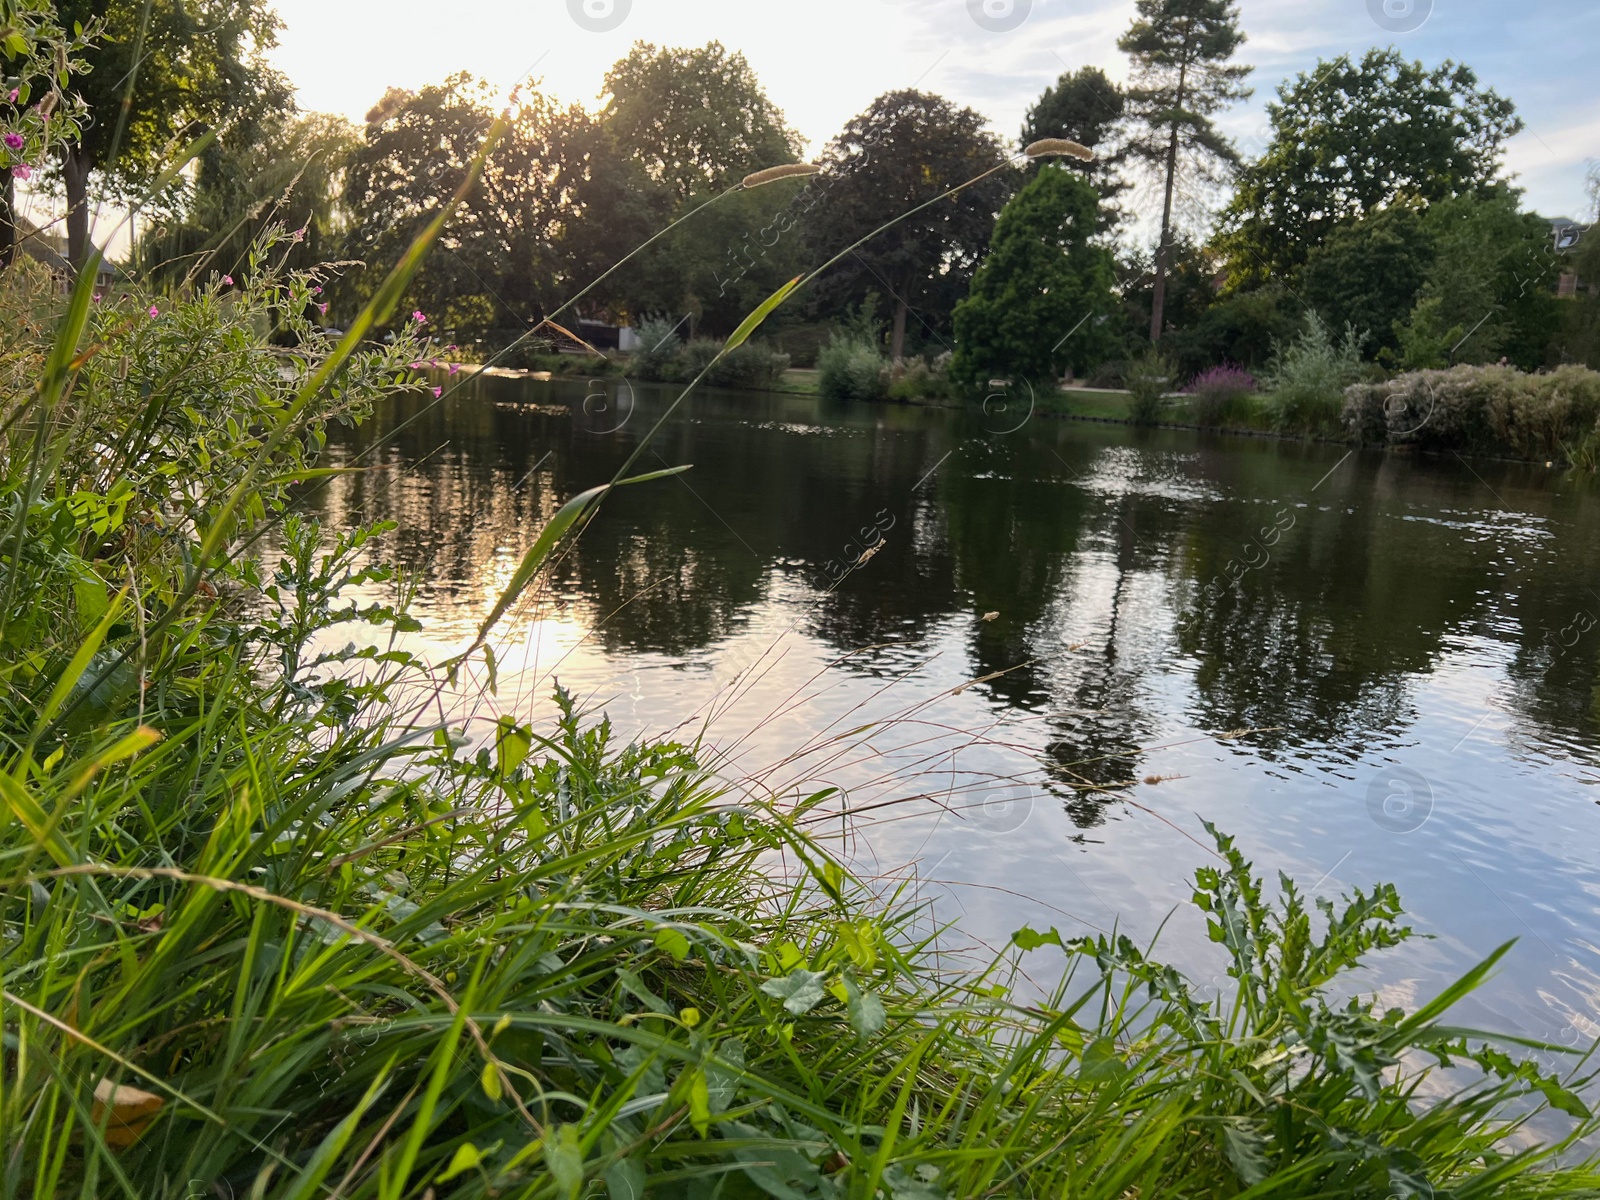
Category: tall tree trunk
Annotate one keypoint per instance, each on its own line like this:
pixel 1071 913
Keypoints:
pixel 1158 302
pixel 897 343
pixel 75 168
pixel 8 222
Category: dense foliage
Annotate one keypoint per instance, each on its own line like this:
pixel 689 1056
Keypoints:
pixel 1039 303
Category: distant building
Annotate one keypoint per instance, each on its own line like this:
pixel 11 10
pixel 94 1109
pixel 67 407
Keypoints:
pixel 50 250
pixel 1566 232
pixel 604 336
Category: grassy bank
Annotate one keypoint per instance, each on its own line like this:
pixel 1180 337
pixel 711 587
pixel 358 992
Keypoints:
pixel 268 932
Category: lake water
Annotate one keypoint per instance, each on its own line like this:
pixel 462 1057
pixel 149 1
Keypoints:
pixel 1365 667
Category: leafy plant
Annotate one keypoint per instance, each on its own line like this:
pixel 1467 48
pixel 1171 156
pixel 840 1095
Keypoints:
pixel 1220 393
pixel 849 369
pixel 1149 379
pixel 1306 377
pixel 753 365
pixel 658 348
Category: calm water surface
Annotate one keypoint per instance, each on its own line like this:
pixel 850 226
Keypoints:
pixel 1365 667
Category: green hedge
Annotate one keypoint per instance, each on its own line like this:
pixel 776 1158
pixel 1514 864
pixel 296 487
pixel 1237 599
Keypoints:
pixel 1488 410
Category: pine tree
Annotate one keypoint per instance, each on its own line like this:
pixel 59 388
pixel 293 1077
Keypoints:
pixel 1181 77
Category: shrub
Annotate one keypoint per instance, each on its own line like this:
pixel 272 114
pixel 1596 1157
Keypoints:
pixel 753 365
pixel 921 380
pixel 1307 376
pixel 659 344
pixel 1219 394
pixel 1110 375
pixel 850 369
pixel 1548 413
pixel 1149 380
pixel 1491 410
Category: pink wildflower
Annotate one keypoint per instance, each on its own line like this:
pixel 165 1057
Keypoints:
pixel 228 280
pixel 300 234
pixel 22 171
pixel 97 297
pixel 419 318
pixel 316 291
pixel 417 366
pixel 15 92
pixel 454 367
pixel 437 392
pixel 154 311
pixel 323 309
pixel 15 141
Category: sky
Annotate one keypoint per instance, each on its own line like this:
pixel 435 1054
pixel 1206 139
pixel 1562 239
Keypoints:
pixel 823 61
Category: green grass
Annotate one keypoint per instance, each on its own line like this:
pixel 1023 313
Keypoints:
pixel 339 949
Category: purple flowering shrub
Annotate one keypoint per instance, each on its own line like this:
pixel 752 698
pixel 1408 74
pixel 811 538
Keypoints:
pixel 1217 392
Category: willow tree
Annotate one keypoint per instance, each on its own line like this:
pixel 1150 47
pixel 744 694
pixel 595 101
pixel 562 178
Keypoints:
pixel 1182 76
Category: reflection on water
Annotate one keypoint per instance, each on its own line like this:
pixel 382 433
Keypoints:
pixel 1366 667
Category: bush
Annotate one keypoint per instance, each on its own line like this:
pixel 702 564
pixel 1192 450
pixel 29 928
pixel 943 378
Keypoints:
pixel 1149 380
pixel 659 344
pixel 754 365
pixel 1110 375
pixel 921 380
pixel 850 369
pixel 1219 394
pixel 1306 378
pixel 1490 410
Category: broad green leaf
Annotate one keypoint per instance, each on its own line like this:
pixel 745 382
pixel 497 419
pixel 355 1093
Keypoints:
pixel 865 1010
pixel 625 1179
pixel 673 942
pixel 511 744
pixel 1031 939
pixel 639 990
pixel 800 990
pixel 1100 1061
pixel 860 941
pixel 563 1154
pixel 80 662
pixel 465 1158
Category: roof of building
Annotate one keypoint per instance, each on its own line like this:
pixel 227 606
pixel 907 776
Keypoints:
pixel 50 249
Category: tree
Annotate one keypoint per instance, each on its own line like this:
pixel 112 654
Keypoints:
pixel 1367 273
pixel 161 70
pixel 1490 292
pixel 498 264
pixel 722 264
pixel 1180 51
pixel 290 175
pixel 908 148
pixel 38 58
pixel 1087 107
pixel 1350 138
pixel 698 120
pixel 1040 299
